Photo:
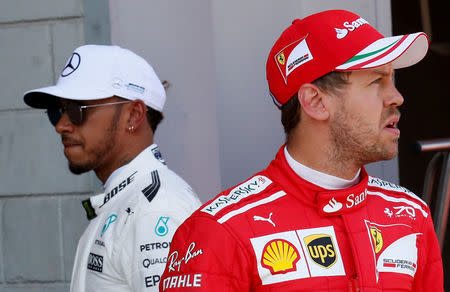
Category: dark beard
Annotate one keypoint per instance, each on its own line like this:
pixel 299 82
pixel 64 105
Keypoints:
pixel 79 169
pixel 109 141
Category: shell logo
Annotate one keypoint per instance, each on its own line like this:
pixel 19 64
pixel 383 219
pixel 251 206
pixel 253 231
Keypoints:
pixel 280 256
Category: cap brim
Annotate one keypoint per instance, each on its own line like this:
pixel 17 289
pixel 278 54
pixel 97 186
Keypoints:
pixel 402 51
pixel 47 96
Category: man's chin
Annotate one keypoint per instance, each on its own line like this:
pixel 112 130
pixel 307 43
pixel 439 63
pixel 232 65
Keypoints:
pixel 387 155
pixel 79 169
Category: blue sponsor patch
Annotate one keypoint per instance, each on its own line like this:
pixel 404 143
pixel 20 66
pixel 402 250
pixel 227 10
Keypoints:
pixel 161 228
pixel 110 220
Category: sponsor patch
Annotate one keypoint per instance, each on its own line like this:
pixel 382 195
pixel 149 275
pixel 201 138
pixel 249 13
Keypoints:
pixel 150 262
pixel 154 245
pixel 253 186
pixel 158 155
pixel 152 281
pixel 108 221
pixel 281 256
pixel 332 206
pixel 321 249
pixel 340 202
pixel 72 64
pixel 349 27
pixel 401 264
pixel 394 247
pixel 183 281
pixel 161 227
pixel 377 238
pixel 268 220
pixel 281 59
pixel 297 53
pixel 376 182
pixel 129 211
pixel 95 262
pixel 135 88
pixel 117 189
pixel 401 211
pixel 341 33
pixel 175 261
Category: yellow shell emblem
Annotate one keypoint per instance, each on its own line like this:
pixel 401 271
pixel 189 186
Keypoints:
pixel 377 239
pixel 281 59
pixel 280 256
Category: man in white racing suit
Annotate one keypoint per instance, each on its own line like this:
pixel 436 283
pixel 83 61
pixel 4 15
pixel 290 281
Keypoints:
pixel 106 106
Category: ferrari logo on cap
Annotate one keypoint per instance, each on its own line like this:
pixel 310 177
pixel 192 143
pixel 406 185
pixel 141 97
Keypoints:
pixel 281 59
pixel 280 256
pixel 293 56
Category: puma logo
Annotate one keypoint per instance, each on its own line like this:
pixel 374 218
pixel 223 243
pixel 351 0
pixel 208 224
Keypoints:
pixel 259 218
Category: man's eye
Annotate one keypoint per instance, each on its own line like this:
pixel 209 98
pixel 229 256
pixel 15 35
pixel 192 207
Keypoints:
pixel 376 81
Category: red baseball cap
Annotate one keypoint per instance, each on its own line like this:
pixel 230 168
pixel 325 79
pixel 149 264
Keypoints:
pixel 334 40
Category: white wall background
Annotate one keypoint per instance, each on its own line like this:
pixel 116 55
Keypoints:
pixel 221 125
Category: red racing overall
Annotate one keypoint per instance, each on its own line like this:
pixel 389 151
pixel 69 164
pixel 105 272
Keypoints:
pixel 278 232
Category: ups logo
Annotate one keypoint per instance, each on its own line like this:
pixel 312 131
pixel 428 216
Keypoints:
pixel 321 249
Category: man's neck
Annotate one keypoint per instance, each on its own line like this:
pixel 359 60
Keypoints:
pixel 121 159
pixel 318 178
pixel 318 156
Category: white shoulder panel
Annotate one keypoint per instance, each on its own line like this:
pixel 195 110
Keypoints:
pixel 377 182
pixel 252 186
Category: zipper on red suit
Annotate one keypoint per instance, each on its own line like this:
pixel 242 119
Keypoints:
pixel 353 283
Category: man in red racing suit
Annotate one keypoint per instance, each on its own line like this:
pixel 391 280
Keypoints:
pixel 279 232
pixel 314 220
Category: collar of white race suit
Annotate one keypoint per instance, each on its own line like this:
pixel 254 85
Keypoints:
pixel 339 195
pixel 318 178
pixel 146 161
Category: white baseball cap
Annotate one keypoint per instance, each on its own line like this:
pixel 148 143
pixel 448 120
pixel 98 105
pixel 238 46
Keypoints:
pixel 96 72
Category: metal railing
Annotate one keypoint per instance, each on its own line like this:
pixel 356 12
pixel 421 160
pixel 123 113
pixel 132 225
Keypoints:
pixel 443 188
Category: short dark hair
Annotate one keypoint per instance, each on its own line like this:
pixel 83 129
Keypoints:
pixel 154 117
pixel 290 111
pixel 290 115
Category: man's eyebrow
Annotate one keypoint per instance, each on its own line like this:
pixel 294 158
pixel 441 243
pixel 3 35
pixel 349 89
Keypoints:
pixel 383 72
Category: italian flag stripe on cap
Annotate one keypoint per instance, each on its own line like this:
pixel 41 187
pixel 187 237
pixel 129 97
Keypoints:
pixel 386 50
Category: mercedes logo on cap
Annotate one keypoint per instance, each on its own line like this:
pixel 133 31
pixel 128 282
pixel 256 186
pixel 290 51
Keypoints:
pixel 72 65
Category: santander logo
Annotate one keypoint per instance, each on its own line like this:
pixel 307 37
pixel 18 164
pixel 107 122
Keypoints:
pixel 344 202
pixel 332 206
pixel 341 33
pixel 349 27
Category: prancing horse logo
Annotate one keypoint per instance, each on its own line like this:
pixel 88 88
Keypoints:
pixel 71 65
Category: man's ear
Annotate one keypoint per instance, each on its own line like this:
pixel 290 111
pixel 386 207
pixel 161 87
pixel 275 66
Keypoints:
pixel 313 101
pixel 137 114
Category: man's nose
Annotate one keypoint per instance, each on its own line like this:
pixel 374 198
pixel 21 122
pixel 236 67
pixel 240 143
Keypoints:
pixel 64 124
pixel 393 97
